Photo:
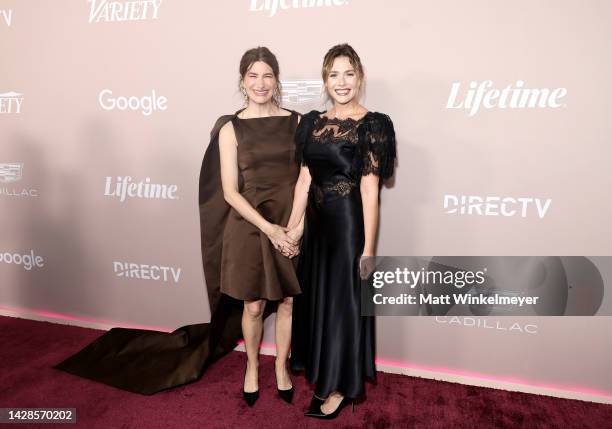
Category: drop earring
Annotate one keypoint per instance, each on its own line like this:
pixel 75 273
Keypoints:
pixel 244 94
pixel 276 96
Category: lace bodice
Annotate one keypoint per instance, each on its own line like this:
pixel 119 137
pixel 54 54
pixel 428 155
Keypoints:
pixel 328 130
pixel 339 151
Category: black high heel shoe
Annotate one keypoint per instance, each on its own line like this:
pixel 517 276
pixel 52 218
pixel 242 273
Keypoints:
pixel 250 397
pixel 319 414
pixel 315 405
pixel 286 395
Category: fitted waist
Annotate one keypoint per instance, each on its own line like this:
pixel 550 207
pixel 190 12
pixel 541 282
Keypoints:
pixel 333 189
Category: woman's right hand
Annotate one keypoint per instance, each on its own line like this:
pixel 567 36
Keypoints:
pixel 295 234
pixel 280 240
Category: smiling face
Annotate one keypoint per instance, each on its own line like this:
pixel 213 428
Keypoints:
pixel 259 82
pixel 343 81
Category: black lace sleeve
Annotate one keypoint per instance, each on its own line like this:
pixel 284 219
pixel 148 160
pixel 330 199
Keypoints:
pixel 302 133
pixel 379 147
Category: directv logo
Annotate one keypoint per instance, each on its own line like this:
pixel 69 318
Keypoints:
pixel 493 205
pixel 147 272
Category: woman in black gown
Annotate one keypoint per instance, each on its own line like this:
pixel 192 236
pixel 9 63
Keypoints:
pixel 345 153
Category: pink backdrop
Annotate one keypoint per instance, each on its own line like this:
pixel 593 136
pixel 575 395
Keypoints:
pixel 93 92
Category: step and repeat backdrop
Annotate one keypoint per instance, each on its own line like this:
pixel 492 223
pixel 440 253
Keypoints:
pixel 502 113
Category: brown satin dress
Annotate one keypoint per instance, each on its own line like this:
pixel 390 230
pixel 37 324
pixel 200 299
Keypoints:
pixel 237 259
pixel 250 266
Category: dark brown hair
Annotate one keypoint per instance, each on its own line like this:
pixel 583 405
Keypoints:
pixel 261 53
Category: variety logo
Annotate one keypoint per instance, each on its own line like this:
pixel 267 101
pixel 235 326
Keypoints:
pixel 147 272
pixel 120 11
pixel 28 261
pixel 273 6
pixel 10 102
pixel 497 325
pixel 125 187
pixel 495 206
pixel 11 173
pixel 513 97
pixel 7 16
pixel 146 104
pixel 301 91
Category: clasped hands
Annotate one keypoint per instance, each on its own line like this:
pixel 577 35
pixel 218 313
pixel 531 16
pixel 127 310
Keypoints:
pixel 286 240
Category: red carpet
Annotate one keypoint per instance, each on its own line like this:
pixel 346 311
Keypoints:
pixel 29 349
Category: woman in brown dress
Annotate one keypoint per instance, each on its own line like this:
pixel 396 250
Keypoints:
pixel 258 173
pixel 245 193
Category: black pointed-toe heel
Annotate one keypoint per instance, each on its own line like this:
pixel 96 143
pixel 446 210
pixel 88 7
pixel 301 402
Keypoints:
pixel 314 407
pixel 250 397
pixel 321 415
pixel 286 395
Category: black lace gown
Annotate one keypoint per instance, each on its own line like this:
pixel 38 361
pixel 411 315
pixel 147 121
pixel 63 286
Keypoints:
pixel 331 341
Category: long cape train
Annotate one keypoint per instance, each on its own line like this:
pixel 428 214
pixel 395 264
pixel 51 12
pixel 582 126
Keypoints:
pixel 147 362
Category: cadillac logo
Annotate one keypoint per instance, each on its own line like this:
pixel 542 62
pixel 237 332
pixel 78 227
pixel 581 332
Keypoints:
pixel 10 173
pixel 301 91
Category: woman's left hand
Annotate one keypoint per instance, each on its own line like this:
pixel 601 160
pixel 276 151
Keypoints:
pixel 295 234
pixel 367 263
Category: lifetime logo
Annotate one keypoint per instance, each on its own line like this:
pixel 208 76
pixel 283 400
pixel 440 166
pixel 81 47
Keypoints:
pixel 10 102
pixel 120 11
pixel 125 188
pixel 28 260
pixel 495 206
pixel 511 97
pixel 273 6
pixel 147 272
pixel 146 104
pixel 7 16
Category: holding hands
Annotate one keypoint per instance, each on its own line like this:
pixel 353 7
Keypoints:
pixel 296 235
pixel 284 240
